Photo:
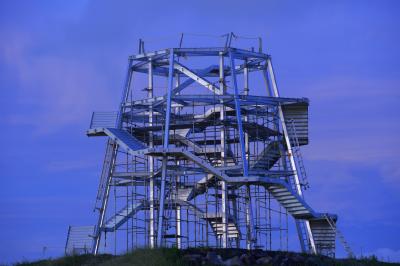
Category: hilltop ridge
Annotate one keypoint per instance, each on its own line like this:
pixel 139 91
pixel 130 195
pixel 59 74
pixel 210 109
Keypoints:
pixel 206 256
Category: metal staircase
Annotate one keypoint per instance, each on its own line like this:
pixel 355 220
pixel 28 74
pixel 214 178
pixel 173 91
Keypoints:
pixel 290 200
pixel 218 227
pixel 121 217
pixel 124 139
pixel 304 230
pixel 117 137
pixel 268 157
pixel 184 194
pixel 282 191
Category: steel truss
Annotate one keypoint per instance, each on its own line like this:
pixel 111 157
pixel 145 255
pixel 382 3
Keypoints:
pixel 195 160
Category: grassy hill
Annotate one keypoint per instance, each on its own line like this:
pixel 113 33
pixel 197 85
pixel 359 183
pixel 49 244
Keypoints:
pixel 194 257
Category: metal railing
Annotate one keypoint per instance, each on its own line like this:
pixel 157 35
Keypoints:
pixel 79 240
pixel 339 234
pixel 103 119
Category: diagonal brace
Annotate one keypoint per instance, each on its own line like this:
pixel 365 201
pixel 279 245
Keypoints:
pixel 202 81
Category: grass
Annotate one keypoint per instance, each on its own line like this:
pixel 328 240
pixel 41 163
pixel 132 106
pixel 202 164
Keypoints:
pixel 142 257
pixel 149 257
pixel 171 256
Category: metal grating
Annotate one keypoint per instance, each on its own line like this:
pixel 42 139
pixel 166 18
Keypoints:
pixel 298 113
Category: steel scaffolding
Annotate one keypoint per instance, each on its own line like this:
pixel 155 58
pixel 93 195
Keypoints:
pixel 202 153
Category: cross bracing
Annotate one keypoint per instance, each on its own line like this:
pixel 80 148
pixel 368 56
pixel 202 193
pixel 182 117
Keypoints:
pixel 194 159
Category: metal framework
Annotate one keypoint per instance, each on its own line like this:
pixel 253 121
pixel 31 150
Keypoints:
pixel 193 159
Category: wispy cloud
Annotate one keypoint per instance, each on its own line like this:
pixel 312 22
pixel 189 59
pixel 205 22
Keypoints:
pixel 70 165
pixel 353 88
pixel 355 120
pixel 53 90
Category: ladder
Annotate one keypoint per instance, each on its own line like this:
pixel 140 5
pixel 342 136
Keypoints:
pixel 298 156
pixel 339 234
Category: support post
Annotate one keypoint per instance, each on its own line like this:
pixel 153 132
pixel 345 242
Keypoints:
pixel 291 158
pixel 66 244
pixel 224 191
pixel 178 208
pixel 241 139
pixel 178 228
pixel 239 115
pixel 249 209
pixel 151 158
pixel 165 146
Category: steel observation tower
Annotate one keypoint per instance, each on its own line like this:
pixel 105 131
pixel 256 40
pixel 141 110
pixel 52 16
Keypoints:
pixel 203 152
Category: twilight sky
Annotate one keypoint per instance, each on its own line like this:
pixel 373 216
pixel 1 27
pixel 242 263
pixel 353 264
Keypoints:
pixel 61 60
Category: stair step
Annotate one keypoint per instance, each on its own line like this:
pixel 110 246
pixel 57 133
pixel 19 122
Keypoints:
pixel 121 216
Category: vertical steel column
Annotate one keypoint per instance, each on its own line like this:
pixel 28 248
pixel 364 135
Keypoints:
pixel 224 189
pixel 178 227
pixel 238 115
pixel 289 147
pixel 112 148
pixel 178 207
pixel 151 158
pixel 66 244
pixel 246 118
pixel 243 147
pixel 165 147
pixel 240 126
pixel 249 209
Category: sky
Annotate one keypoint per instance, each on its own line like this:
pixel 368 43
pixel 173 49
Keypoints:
pixel 61 60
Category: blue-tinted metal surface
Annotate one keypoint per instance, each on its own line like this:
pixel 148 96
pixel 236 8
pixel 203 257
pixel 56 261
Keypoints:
pixel 166 143
pixel 239 117
pixel 176 137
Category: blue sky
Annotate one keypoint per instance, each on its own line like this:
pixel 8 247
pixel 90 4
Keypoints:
pixel 60 60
